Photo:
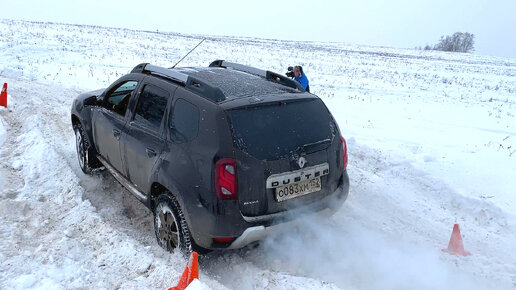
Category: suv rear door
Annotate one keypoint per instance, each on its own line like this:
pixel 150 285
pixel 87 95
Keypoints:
pixel 269 141
pixel 142 140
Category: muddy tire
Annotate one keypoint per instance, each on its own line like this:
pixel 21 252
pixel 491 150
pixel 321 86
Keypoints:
pixel 170 225
pixel 85 154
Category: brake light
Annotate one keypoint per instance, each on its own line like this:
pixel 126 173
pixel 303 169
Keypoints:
pixel 225 179
pixel 344 153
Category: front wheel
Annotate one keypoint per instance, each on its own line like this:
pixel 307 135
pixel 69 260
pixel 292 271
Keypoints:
pixel 87 159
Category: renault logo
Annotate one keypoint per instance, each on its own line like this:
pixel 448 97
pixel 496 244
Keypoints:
pixel 301 162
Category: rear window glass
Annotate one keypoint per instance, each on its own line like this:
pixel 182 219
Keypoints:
pixel 275 131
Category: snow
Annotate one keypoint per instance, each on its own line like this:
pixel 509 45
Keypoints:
pixel 197 285
pixel 3 136
pixel 3 130
pixel 431 140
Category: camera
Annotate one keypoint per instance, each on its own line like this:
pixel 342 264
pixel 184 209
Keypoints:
pixel 290 72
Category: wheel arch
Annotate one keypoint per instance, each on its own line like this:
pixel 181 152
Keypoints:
pixel 76 120
pixel 165 185
pixel 157 188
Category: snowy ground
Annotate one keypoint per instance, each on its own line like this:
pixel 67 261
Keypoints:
pixel 431 138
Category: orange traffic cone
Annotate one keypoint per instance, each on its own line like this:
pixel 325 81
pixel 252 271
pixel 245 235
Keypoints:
pixel 455 246
pixel 190 273
pixel 3 96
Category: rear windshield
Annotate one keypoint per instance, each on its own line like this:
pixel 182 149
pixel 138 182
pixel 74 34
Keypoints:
pixel 275 131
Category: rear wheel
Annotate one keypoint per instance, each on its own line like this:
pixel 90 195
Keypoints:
pixel 87 159
pixel 170 226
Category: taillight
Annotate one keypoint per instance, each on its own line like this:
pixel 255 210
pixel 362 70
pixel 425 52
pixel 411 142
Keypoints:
pixel 344 153
pixel 225 179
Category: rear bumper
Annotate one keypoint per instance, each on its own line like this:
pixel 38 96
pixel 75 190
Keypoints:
pixel 329 205
pixel 251 229
pixel 331 202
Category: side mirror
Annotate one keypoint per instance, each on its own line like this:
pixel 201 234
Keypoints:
pixel 91 101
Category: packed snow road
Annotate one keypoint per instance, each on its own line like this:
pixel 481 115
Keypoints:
pixel 431 140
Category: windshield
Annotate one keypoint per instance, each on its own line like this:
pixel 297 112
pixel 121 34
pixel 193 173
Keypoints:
pixel 275 131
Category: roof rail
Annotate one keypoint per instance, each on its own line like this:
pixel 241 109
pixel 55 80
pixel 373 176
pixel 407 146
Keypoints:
pixel 268 75
pixel 191 83
pixel 239 67
pixel 147 67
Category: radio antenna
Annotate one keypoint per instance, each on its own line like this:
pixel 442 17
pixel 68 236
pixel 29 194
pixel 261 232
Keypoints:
pixel 189 52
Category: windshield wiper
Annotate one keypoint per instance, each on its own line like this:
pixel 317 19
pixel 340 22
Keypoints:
pixel 312 147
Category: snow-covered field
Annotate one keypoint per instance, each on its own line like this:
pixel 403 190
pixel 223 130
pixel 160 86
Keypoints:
pixel 431 138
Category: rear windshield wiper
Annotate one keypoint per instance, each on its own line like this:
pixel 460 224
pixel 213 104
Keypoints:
pixel 312 147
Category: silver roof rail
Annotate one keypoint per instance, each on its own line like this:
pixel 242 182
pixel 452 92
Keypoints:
pixel 191 83
pixel 167 72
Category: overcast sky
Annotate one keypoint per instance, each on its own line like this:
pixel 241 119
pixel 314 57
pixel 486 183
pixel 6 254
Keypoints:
pixel 394 23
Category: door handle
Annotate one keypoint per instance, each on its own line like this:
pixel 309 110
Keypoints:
pixel 150 152
pixel 116 133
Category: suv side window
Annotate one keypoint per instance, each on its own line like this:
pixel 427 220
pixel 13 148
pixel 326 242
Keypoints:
pixel 184 124
pixel 151 107
pixel 118 99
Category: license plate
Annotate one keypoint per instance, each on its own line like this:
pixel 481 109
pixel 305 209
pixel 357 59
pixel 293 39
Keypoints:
pixel 298 189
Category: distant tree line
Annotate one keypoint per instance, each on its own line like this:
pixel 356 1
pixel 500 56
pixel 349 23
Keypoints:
pixel 459 42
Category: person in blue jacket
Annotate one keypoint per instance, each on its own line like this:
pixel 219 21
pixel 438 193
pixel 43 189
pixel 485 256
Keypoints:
pixel 301 78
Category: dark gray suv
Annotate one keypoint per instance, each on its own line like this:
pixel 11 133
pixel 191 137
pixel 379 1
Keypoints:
pixel 220 154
